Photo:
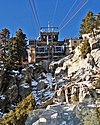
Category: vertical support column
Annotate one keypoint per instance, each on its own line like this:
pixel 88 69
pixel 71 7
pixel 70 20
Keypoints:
pixel 52 48
pixel 48 50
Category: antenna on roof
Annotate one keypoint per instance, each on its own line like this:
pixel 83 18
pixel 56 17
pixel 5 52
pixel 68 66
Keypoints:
pixel 48 26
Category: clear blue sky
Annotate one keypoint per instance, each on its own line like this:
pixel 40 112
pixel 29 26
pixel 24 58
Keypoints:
pixel 16 14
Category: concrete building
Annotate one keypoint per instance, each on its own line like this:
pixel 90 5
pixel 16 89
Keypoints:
pixel 73 43
pixel 47 47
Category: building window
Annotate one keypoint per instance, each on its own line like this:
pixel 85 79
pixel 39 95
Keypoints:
pixel 75 41
pixel 44 37
pixel 41 49
pixel 73 47
pixel 58 49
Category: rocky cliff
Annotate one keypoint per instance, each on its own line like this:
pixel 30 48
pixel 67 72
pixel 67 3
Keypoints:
pixel 76 88
pixel 63 96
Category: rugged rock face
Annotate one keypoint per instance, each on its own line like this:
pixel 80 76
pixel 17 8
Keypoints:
pixel 64 115
pixel 20 113
pixel 79 88
pixel 76 88
pixel 15 85
pixel 79 84
pixel 53 115
pixel 74 81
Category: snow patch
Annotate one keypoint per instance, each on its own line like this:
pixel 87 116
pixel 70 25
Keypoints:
pixel 16 72
pixel 44 81
pixel 25 85
pixel 2 97
pixel 34 83
pixel 42 120
pixel 63 123
pixel 65 113
pixel 11 87
pixel 54 116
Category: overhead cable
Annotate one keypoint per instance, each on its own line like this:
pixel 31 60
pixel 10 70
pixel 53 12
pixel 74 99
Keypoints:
pixel 36 11
pixel 54 12
pixel 32 5
pixel 73 15
pixel 68 13
pixel 75 9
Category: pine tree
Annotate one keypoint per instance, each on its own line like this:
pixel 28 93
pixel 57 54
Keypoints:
pixel 21 46
pixel 97 21
pixel 4 38
pixel 88 23
pixel 13 49
pixel 91 117
pixel 85 49
pixel 11 59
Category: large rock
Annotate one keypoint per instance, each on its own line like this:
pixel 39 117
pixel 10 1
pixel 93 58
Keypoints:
pixel 41 85
pixel 90 60
pixel 54 115
pixel 24 90
pixel 9 98
pixel 3 103
pixel 96 54
pixel 38 72
pixel 12 94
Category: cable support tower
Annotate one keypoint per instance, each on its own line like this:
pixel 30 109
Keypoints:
pixel 67 21
pixel 34 12
pixel 64 19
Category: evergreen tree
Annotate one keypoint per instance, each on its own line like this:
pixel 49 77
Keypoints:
pixel 91 117
pixel 97 21
pixel 88 23
pixel 85 49
pixel 6 49
pixel 11 59
pixel 21 46
pixel 12 50
pixel 4 38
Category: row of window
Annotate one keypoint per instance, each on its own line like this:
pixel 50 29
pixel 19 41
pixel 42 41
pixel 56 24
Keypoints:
pixel 54 37
pixel 44 49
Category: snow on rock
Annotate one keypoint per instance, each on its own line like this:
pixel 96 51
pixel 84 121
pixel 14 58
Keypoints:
pixel 86 36
pixel 42 120
pixel 25 85
pixel 42 89
pixel 49 78
pixel 2 97
pixel 34 83
pixel 12 87
pixel 55 115
pixel 74 78
pixel 16 72
pixel 61 60
pixel 1 114
pixel 63 123
pixel 96 54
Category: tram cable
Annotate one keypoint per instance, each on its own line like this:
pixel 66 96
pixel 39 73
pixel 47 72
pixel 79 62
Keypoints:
pixel 67 21
pixel 34 12
pixel 64 19
pixel 56 6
